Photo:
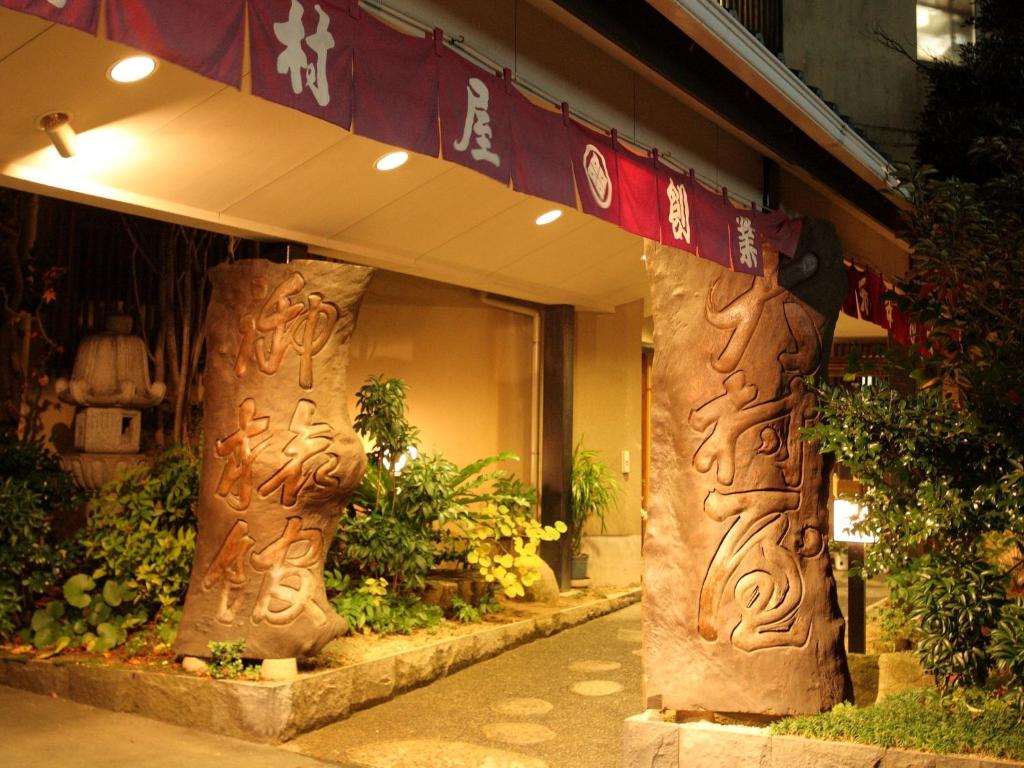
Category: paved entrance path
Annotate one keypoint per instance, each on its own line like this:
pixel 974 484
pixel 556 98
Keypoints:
pixel 559 702
pixel 43 732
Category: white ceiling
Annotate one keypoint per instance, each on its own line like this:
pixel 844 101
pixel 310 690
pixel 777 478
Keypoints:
pixel 178 146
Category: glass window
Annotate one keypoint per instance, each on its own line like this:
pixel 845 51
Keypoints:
pixel 941 26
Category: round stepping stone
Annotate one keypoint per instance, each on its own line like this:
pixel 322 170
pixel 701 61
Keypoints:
pixel 518 733
pixel 629 635
pixel 523 707
pixel 435 753
pixel 590 665
pixel 596 687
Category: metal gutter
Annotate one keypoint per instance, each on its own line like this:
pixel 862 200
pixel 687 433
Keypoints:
pixel 724 37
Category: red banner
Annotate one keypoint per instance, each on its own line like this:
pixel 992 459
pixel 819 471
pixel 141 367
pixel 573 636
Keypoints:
pixel 778 230
pixel 329 59
pixel 475 124
pixel 869 291
pixel 201 36
pixel 540 152
pixel 713 225
pixel 81 14
pixel 638 193
pixel 853 276
pixel 596 170
pixel 395 87
pixel 301 55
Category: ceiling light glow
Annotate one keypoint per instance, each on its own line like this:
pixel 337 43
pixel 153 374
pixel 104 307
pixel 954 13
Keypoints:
pixel 132 69
pixel 546 218
pixel 391 160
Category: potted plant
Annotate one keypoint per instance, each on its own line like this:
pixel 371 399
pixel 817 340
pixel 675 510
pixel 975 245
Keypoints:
pixel 594 487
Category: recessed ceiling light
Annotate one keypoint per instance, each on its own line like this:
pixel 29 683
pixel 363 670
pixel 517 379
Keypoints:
pixel 546 218
pixel 132 69
pixel 391 160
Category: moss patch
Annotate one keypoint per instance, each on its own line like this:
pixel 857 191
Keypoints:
pixel 919 719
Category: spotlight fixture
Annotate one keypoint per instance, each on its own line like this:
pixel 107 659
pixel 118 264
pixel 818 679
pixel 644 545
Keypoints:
pixel 58 129
pixel 391 160
pixel 546 218
pixel 131 69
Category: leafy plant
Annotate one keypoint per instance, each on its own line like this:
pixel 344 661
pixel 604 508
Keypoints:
pixel 86 618
pixel 141 528
pixel 373 608
pixel 1007 644
pixel 34 489
pixel 226 659
pixel 30 559
pixel 939 480
pixel 594 488
pixel 467 613
pixel 411 511
pixel 504 544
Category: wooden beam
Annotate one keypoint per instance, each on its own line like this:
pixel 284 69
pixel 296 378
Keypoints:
pixel 556 435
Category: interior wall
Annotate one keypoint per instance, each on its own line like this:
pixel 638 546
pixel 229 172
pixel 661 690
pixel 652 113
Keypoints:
pixel 468 366
pixel 606 404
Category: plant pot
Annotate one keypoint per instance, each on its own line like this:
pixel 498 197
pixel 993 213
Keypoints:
pixel 579 566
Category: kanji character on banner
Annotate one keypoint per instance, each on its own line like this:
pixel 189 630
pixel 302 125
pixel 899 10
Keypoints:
pixel 675 210
pixel 301 53
pixel 475 127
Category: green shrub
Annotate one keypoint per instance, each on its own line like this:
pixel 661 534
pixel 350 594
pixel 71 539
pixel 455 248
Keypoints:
pixel 941 484
pixel 30 559
pixel 970 722
pixel 33 491
pixel 95 620
pixel 1007 645
pixel 41 472
pixel 413 511
pixel 957 602
pixel 226 661
pixel 141 528
pixel 372 607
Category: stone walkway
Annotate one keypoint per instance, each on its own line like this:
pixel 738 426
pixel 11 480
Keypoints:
pixel 559 702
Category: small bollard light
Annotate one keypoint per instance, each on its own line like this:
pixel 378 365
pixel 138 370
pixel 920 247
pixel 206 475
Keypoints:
pixel 846 514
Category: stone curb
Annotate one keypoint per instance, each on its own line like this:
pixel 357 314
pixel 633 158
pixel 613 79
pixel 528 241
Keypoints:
pixel 273 712
pixel 649 742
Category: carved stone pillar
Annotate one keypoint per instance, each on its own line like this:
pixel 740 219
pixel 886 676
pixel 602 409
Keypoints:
pixel 280 457
pixel 740 608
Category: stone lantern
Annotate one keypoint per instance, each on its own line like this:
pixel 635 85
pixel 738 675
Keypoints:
pixel 110 385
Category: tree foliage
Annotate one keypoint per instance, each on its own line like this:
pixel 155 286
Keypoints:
pixel 941 461
pixel 979 94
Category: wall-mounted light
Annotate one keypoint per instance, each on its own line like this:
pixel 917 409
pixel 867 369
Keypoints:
pixel 391 160
pixel 131 69
pixel 57 127
pixel 546 218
